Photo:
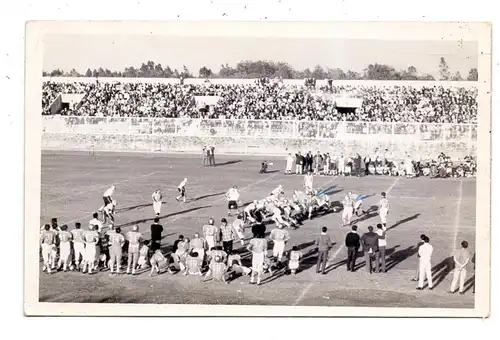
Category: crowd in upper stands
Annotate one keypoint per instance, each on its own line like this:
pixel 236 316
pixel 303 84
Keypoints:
pixel 272 101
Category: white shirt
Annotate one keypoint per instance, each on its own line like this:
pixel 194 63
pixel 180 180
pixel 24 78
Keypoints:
pixel 382 242
pixel 384 203
pixel 183 184
pixel 96 222
pixel 157 196
pixel 233 195
pixel 425 252
pixel 109 192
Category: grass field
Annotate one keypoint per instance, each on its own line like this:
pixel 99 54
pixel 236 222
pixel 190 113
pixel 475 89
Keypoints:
pixel 72 187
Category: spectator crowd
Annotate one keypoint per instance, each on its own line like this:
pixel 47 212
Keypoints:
pixel 270 101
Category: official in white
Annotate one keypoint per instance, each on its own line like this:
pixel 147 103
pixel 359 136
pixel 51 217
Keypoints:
pixel 383 209
pixel 289 164
pixel 308 183
pixel 233 197
pixel 461 257
pixel 157 198
pixel 425 267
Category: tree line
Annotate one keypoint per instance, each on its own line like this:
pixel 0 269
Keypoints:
pixel 271 69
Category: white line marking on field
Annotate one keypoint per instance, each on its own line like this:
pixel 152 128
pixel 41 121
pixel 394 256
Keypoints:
pixel 334 255
pixel 96 187
pixel 392 186
pixel 457 215
pixel 304 292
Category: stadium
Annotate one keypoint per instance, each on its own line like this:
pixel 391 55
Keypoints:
pixel 144 134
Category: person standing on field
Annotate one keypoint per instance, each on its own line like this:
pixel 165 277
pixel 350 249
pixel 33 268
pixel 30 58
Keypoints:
pixel 156 232
pixel 352 243
pixel 289 164
pixel 91 237
pixel 323 243
pixel 425 267
pixel 157 198
pixel 78 245
pixel 369 241
pixel 417 272
pixel 116 241
pixel 383 209
pixel 47 240
pixel 134 238
pixel 461 257
pixel 382 245
pixel 65 238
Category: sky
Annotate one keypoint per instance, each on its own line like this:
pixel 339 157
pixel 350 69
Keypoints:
pixel 116 52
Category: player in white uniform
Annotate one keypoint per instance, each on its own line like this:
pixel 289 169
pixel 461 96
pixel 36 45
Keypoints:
pixel 107 213
pixel 383 209
pixel 182 190
pixel 308 183
pixel 107 197
pixel 289 164
pixel 408 167
pixel 280 237
pixel 239 227
pixel 157 198
pixel 233 198
pixel 348 209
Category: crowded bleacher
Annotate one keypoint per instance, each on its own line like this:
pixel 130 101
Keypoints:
pixel 271 101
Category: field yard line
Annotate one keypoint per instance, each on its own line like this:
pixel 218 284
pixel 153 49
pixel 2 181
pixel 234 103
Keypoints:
pixel 392 186
pixel 304 292
pixel 99 186
pixel 457 215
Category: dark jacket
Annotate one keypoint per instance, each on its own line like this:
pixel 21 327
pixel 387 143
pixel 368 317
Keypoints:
pixel 298 158
pixel 352 239
pixel 156 230
pixel 258 228
pixel 369 240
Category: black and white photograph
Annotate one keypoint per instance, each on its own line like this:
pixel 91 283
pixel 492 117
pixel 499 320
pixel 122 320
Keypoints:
pixel 228 165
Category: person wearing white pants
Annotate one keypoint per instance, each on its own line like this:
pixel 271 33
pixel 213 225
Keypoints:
pixel 91 237
pixel 279 236
pixel 47 239
pixel 461 257
pixel 210 232
pixel 425 268
pixel 78 244
pixel 65 238
pixel 383 209
pixel 157 198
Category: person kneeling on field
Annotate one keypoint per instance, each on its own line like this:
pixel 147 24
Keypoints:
pixel 216 271
pixel 193 264
pixel 144 255
pixel 158 261
pixel 294 262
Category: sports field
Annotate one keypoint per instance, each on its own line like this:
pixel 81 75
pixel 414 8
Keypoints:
pixel 443 209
